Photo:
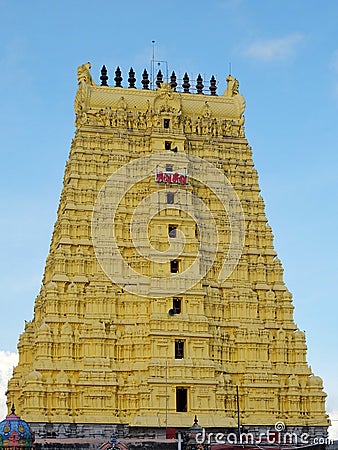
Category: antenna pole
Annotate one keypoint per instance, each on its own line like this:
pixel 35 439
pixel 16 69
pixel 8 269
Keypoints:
pixel 238 412
pixel 152 69
pixel 166 396
pixel 152 75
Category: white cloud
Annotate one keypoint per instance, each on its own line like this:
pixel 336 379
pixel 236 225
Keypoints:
pixel 274 49
pixel 7 361
pixel 333 429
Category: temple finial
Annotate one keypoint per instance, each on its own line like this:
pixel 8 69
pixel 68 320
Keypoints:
pixel 131 79
pixel 186 84
pixel 173 83
pixel 145 80
pixel 199 84
pixel 13 409
pixel 104 77
pixel 118 77
pixel 159 78
pixel 213 86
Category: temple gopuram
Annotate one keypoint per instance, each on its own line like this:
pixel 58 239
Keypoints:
pixel 162 296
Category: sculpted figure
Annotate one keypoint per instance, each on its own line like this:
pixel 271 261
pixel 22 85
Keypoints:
pixel 148 110
pixel 176 121
pixel 241 126
pixel 188 125
pixel 232 87
pixel 100 117
pixel 122 104
pixel 109 116
pixel 149 119
pixel 228 128
pixel 81 119
pixel 198 125
pixel 84 75
pixel 142 122
pixel 206 110
pixel 205 125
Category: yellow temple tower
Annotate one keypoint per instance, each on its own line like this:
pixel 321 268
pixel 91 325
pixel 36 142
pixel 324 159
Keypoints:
pixel 162 296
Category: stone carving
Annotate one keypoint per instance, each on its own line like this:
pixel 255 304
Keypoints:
pixel 232 87
pixel 167 100
pixel 208 126
pixel 84 75
pixel 122 104
pixel 85 80
pixel 206 110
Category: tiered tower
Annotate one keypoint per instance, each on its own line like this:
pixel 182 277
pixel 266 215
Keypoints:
pixel 136 329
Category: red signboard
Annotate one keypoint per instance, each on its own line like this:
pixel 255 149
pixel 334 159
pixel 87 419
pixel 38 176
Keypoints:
pixel 171 177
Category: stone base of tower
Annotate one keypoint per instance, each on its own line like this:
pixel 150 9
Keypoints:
pixel 250 434
pixel 181 420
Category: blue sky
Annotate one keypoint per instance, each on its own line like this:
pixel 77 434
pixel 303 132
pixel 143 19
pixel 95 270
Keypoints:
pixel 285 55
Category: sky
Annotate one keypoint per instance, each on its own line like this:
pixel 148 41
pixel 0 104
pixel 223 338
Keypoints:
pixel 285 56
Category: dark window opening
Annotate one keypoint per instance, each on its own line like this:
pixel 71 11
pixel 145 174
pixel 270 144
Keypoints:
pixel 172 231
pixel 179 349
pixel 174 266
pixel 197 232
pixel 181 400
pixel 177 305
pixel 166 123
pixel 170 198
pixel 169 168
pixel 167 145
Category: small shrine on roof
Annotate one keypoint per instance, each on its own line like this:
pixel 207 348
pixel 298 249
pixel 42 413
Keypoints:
pixel 113 443
pixel 15 433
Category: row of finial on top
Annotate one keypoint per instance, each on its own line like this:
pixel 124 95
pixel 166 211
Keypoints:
pixel 199 87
